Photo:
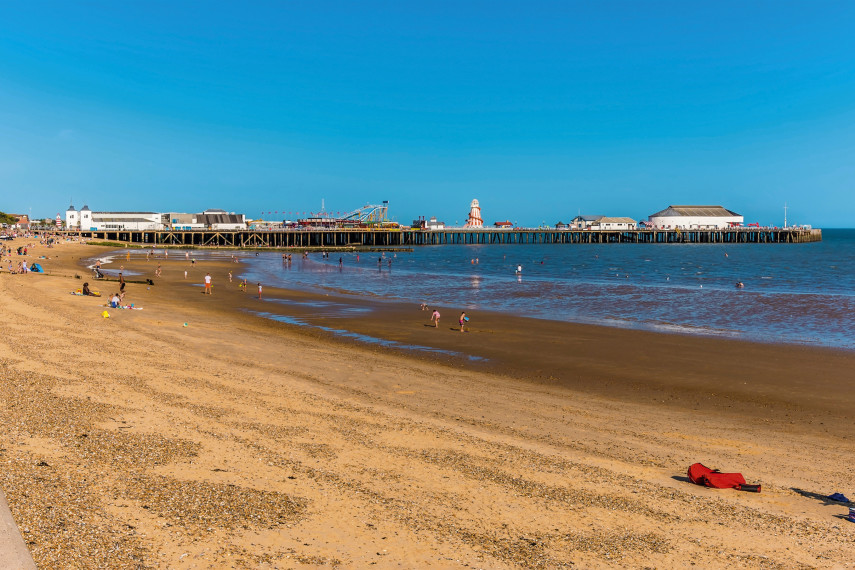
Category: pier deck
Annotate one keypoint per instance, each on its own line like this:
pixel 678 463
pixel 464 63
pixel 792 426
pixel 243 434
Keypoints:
pixel 462 236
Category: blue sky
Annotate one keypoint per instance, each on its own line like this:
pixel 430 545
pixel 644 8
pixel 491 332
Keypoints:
pixel 539 109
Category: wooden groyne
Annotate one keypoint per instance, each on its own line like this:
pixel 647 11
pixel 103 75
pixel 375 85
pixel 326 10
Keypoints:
pixel 281 239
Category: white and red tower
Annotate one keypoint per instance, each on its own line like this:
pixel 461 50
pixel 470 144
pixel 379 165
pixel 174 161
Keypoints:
pixel 474 220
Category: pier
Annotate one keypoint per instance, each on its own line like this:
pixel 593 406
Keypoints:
pixel 393 237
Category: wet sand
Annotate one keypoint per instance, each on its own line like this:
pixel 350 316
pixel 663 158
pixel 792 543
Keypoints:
pixel 247 442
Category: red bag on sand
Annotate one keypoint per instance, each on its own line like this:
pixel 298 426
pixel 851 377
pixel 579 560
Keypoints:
pixel 701 475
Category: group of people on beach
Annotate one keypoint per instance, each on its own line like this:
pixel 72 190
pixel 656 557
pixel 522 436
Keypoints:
pixel 21 269
pixel 462 320
pixel 209 287
pixel 23 266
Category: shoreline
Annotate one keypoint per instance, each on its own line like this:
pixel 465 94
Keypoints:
pixel 654 327
pixel 526 349
pixel 242 441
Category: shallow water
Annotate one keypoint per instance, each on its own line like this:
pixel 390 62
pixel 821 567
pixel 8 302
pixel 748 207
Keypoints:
pixel 367 339
pixel 794 293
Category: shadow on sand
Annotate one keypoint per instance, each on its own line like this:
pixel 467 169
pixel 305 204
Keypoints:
pixel 823 498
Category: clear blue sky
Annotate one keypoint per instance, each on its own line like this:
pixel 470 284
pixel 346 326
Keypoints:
pixel 538 109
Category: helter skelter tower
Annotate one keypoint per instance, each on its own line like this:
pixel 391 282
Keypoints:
pixel 474 220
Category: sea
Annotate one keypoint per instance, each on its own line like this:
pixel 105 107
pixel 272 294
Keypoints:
pixel 801 294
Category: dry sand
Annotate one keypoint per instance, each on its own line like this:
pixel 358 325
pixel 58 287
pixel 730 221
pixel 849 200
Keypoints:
pixel 135 442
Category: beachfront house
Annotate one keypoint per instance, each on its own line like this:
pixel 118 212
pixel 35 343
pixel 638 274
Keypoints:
pixel 611 223
pixel 695 217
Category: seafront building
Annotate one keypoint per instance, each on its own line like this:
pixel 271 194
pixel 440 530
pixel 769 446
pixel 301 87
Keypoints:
pixel 87 220
pixel 695 218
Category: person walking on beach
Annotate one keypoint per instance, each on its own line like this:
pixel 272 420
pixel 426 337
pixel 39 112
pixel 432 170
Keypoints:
pixel 434 318
pixel 463 320
pixel 207 284
pixel 230 276
pixel 259 291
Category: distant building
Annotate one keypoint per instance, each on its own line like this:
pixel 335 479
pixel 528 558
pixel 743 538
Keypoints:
pixel 22 221
pixel 562 226
pixel 584 222
pixel 504 225
pixel 72 218
pixel 433 224
pixel 221 220
pixel 179 221
pixel 267 225
pixel 87 220
pixel 609 223
pixel 695 217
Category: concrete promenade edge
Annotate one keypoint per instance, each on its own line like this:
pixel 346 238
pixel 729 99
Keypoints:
pixel 13 549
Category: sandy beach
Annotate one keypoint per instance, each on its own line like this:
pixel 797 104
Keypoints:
pixel 138 442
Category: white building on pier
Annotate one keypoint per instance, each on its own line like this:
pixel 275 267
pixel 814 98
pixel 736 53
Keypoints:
pixel 695 218
pixel 87 220
pixel 614 223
